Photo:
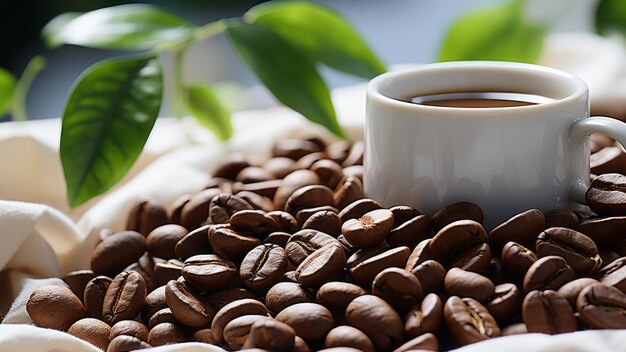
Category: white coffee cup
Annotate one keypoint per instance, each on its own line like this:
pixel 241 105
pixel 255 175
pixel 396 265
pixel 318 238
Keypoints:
pixel 506 160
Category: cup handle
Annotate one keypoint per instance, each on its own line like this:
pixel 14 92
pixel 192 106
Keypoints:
pixel 579 131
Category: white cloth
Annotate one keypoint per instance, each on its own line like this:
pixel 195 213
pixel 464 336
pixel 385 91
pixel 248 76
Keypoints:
pixel 41 238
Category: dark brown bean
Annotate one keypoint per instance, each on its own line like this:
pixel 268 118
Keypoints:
pixel 162 240
pixel 505 302
pixel 223 206
pixel 229 243
pixel 431 275
pixel 126 344
pixel 424 318
pixel 561 218
pixel 303 215
pixel 548 273
pixel 187 308
pixel 294 148
pixel 124 298
pixel 348 336
pixel 230 166
pixel 454 239
pixel 337 295
pixel 607 194
pixel 237 330
pixel 164 315
pixel 522 228
pixel 469 321
pixel 419 255
pixel 326 263
pixel 257 201
pixel 165 334
pixel 369 230
pixel 54 307
pixel 129 328
pixel 459 282
pixel 303 243
pixel 455 212
pixel 602 307
pixel 193 243
pixel 291 183
pixel 476 258
pixel 366 270
pixel 145 217
pixel 426 342
pixel 94 331
pixel 209 271
pixel 285 294
pixel 516 259
pixel 154 302
pixel 253 174
pixel 377 319
pixel 398 287
pixel 223 297
pixel 547 312
pixel 272 335
pixel 175 210
pixel 325 221
pixel 117 251
pixel 285 221
pixel 309 197
pixel 253 221
pixel 170 270
pixel 77 280
pixel 577 249
pixel 349 189
pixel 570 290
pixel 358 208
pixel 263 267
pixel 278 238
pixel 310 321
pixel 604 231
pixel 196 210
pixel 279 167
pixel 410 232
pixel 94 294
pixel 233 310
pixel 329 171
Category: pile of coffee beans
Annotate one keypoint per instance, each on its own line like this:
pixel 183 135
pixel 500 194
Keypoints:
pixel 289 255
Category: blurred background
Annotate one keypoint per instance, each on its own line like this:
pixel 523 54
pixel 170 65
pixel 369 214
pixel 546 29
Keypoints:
pixel 399 31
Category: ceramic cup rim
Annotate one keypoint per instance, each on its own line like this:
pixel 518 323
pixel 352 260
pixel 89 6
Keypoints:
pixel 577 86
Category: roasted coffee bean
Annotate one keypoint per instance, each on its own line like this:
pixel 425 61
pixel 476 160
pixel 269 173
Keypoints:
pixel 607 256
pixel 454 239
pixel 570 290
pixel 419 255
pixel 358 208
pixel 304 215
pixel 505 302
pixel 209 272
pixel 324 221
pixel 424 318
pixel 94 294
pixel 155 301
pixel 366 270
pixel 607 194
pixel 126 344
pixel 522 228
pixel 476 258
pixel 54 307
pixel 77 280
pixel 204 336
pixel 145 266
pixel 608 160
pixel 329 171
pixel 285 294
pixel 349 189
pixel 410 232
pixel 170 270
pixel 338 151
pixel 94 331
pixel 455 212
pixel 514 329
pixel 310 321
pixel 469 321
pixel 265 189
pixel 516 259
pixel 614 274
pixel 294 148
pixel 253 221
pixel 233 310
pixel 398 287
pixel 337 295
pixel 279 167
pixel 561 218
pixel 548 273
pixel 165 334
pixel 237 330
pixel 221 298
pixel 369 230
pixel 257 201
pixel 223 206
pixel 145 217
pixel 227 242
pixel 547 312
pixel 176 209
pixel 164 315
pixel 459 282
pixel 292 182
pixel 124 298
pixel 377 319
pixel 193 243
pixel 272 335
pixel 308 160
pixel 263 267
pixel 303 243
pixel 129 328
pixel 431 275
pixel 284 221
pixel 278 238
pixel 162 240
pixel 187 308
pixel 426 342
pixel 117 251
pixel 602 307
pixel 231 165
pixel 326 263
pixel 309 197
pixel 253 174
pixel 290 276
pixel 348 336
pixel 496 272
pixel 196 210
pixel 577 249
pixel 604 231
pixel 355 157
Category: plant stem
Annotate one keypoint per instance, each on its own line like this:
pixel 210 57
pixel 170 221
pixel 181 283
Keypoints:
pixel 178 106
pixel 35 65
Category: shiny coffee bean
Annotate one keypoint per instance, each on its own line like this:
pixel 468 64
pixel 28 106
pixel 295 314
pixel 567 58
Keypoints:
pixel 285 294
pixel 451 241
pixel 323 265
pixel 455 212
pixel 263 267
pixel 125 343
pixel 349 189
pixel 292 182
pixel 409 232
pixel 577 249
pixel 253 221
pixel 398 287
pixel 54 307
pixel 377 319
pixel 164 315
pixel 309 197
pixel 77 280
pixel 94 331
pixel 426 342
pixel 426 317
pixel 336 295
pixel 614 274
pixel 303 243
pixel 329 172
pixel 303 215
pixel 324 221
pixel 431 275
pixel 124 298
pixel 253 174
pixel 196 210
pixel 547 312
pixel 358 208
pixel 311 321
pixel 170 270
pixel 237 330
pixel 234 310
pixel 294 148
pixel 209 272
pixel 548 273
pixel 229 243
pixel 162 240
pixel 166 334
pixel 419 255
pixel 355 157
pixel 469 321
pixel 459 282
pixel 228 295
pixel 193 243
pixel 365 270
pixel 369 230
pixel 145 217
pixel 174 212
pixel 271 335
pixel 279 167
pixel 189 309
pixel 505 302
pixel 278 238
pixel 257 201
pixel 607 194
pixel 94 294
pixel 602 307
pixel 231 165
pixel 129 328
pixel 604 231
pixel 348 336
pixel 570 290
pixel 476 258
pixel 516 259
pixel 522 228
pixel 561 218
pixel 145 266
pixel 117 251
pixel 154 302
pixel 223 206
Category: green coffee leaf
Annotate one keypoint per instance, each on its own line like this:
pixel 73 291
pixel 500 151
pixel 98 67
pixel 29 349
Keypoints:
pixel 107 120
pixel 7 87
pixel 286 72
pixel 127 27
pixel 319 32
pixel 206 107
pixel 611 18
pixel 494 33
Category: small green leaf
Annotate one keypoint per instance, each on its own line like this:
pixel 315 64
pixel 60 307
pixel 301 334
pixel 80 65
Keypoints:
pixel 7 87
pixel 131 26
pixel 286 72
pixel 611 18
pixel 18 105
pixel 107 120
pixel 205 106
pixel 494 33
pixel 321 33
